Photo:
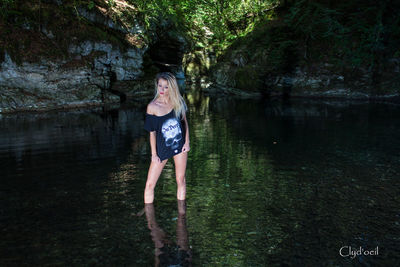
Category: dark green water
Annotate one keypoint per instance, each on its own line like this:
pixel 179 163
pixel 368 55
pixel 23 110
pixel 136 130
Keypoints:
pixel 269 184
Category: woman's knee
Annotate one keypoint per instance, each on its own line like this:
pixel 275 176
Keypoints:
pixel 181 180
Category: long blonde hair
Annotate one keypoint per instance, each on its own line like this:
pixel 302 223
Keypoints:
pixel 175 97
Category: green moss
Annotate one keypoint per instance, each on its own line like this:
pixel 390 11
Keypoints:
pixel 247 78
pixel 97 33
pixel 32 45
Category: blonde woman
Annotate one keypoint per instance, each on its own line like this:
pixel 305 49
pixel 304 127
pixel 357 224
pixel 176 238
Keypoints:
pixel 169 134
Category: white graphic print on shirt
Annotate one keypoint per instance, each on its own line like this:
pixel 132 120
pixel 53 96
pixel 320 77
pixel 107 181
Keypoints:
pixel 172 133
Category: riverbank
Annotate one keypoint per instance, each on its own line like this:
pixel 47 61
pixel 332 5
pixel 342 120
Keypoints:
pixel 106 52
pixel 139 98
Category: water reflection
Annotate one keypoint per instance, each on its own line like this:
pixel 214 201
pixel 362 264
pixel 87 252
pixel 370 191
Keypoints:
pixel 291 184
pixel 166 252
pixel 269 184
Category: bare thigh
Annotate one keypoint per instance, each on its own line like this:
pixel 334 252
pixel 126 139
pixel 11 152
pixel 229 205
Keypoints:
pixel 180 161
pixel 155 171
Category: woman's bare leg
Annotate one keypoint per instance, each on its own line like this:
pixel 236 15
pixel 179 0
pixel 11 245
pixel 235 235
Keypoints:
pixel 180 171
pixel 152 178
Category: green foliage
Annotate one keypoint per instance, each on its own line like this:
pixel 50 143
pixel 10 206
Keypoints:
pixel 90 5
pixel 6 8
pixel 247 78
pixel 215 23
pixel 110 3
pixel 313 20
pixel 22 37
pixel 355 32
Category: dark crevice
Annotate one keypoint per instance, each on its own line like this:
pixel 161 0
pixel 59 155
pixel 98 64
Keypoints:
pixel 167 53
pixel 113 79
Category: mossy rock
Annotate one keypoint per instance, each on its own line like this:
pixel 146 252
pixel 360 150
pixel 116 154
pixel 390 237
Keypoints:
pixel 247 78
pixel 23 38
pixel 193 69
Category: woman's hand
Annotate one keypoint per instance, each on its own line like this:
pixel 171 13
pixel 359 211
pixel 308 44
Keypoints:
pixel 186 147
pixel 155 158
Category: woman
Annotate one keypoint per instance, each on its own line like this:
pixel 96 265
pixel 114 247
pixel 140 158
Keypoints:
pixel 169 134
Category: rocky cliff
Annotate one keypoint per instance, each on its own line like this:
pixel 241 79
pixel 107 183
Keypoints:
pixel 271 62
pixel 58 54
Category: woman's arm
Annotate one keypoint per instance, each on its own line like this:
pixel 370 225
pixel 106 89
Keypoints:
pixel 153 142
pixel 186 146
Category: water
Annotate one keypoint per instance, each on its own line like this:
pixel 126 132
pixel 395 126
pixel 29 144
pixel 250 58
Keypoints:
pixel 268 184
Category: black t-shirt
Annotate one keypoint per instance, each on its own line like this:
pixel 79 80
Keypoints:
pixel 170 133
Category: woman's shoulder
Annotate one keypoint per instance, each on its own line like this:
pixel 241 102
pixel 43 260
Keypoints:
pixel 151 108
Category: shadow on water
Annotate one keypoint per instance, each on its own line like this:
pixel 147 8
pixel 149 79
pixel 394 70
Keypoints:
pixel 268 184
pixel 67 181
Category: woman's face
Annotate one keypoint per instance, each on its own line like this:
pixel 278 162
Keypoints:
pixel 163 87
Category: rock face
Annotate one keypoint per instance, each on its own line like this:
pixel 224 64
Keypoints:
pixel 240 76
pixel 197 63
pixel 125 65
pixel 47 85
pixel 324 81
pixel 52 84
pixel 271 63
pixel 93 70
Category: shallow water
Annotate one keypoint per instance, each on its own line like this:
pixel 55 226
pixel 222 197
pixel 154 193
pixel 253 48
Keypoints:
pixel 268 184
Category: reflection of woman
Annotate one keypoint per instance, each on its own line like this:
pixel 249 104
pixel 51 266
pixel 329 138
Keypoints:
pixel 169 134
pixel 166 253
